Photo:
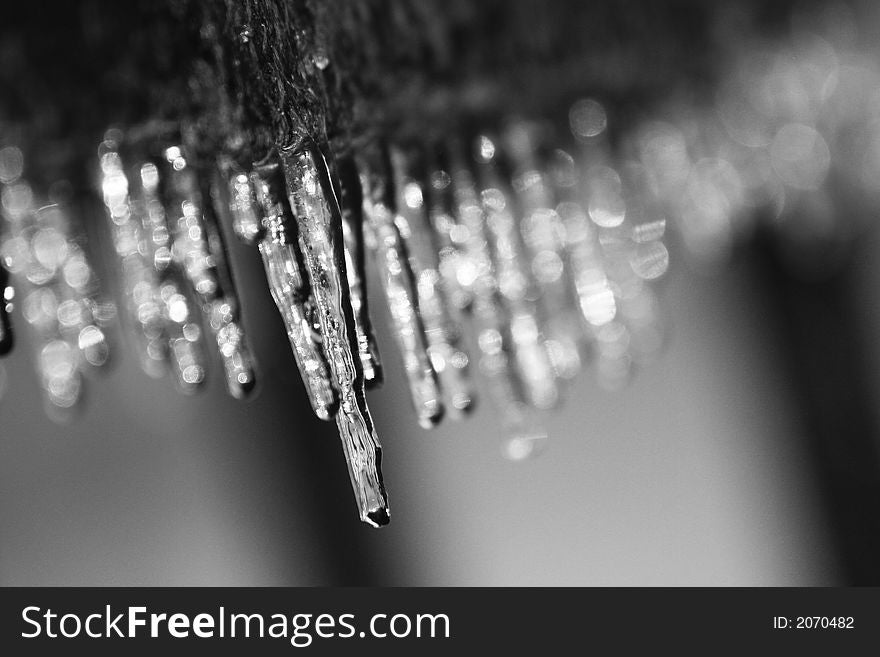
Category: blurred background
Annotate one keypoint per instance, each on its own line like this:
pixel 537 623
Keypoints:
pixel 746 453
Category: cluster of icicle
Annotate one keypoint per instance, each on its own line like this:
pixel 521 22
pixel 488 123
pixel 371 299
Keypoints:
pixel 499 256
pixel 60 294
pixel 172 263
pixel 527 257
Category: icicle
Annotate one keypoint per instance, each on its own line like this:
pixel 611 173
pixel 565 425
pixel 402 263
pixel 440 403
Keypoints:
pixel 316 204
pixel 594 294
pixel 60 293
pixel 563 174
pixel 544 236
pixel 11 167
pixel 355 261
pixel 182 333
pixel 471 261
pixel 449 361
pixel 7 292
pixel 198 248
pixel 140 283
pixel 615 248
pixel 235 195
pixel 515 284
pixel 491 322
pixel 289 286
pixel 399 282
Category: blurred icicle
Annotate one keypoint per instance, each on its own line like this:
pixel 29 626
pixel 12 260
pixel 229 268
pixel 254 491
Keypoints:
pixel 491 318
pixel 443 333
pixel 140 281
pixel 7 292
pixel 515 283
pixel 315 201
pixel 61 297
pixel 447 234
pixel 544 236
pixel 614 239
pixel 236 198
pixel 198 248
pixel 182 332
pixel 391 256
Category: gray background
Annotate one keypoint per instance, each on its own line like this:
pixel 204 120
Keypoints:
pixel 694 475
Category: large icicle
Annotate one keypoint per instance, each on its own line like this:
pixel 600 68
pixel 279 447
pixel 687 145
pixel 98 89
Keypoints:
pixel 315 200
pixel 290 288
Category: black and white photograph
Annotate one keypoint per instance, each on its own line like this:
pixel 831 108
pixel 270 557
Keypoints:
pixel 436 295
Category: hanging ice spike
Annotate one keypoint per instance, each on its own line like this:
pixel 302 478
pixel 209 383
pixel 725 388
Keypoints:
pixel 314 198
pixel 168 240
pixel 198 246
pixel 491 316
pixel 157 310
pixel 61 296
pixel 11 165
pixel 235 193
pixel 7 292
pixel 539 253
pixel 515 283
pixel 355 263
pixel 399 282
pixel 291 289
pixel 181 331
pixel 442 331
